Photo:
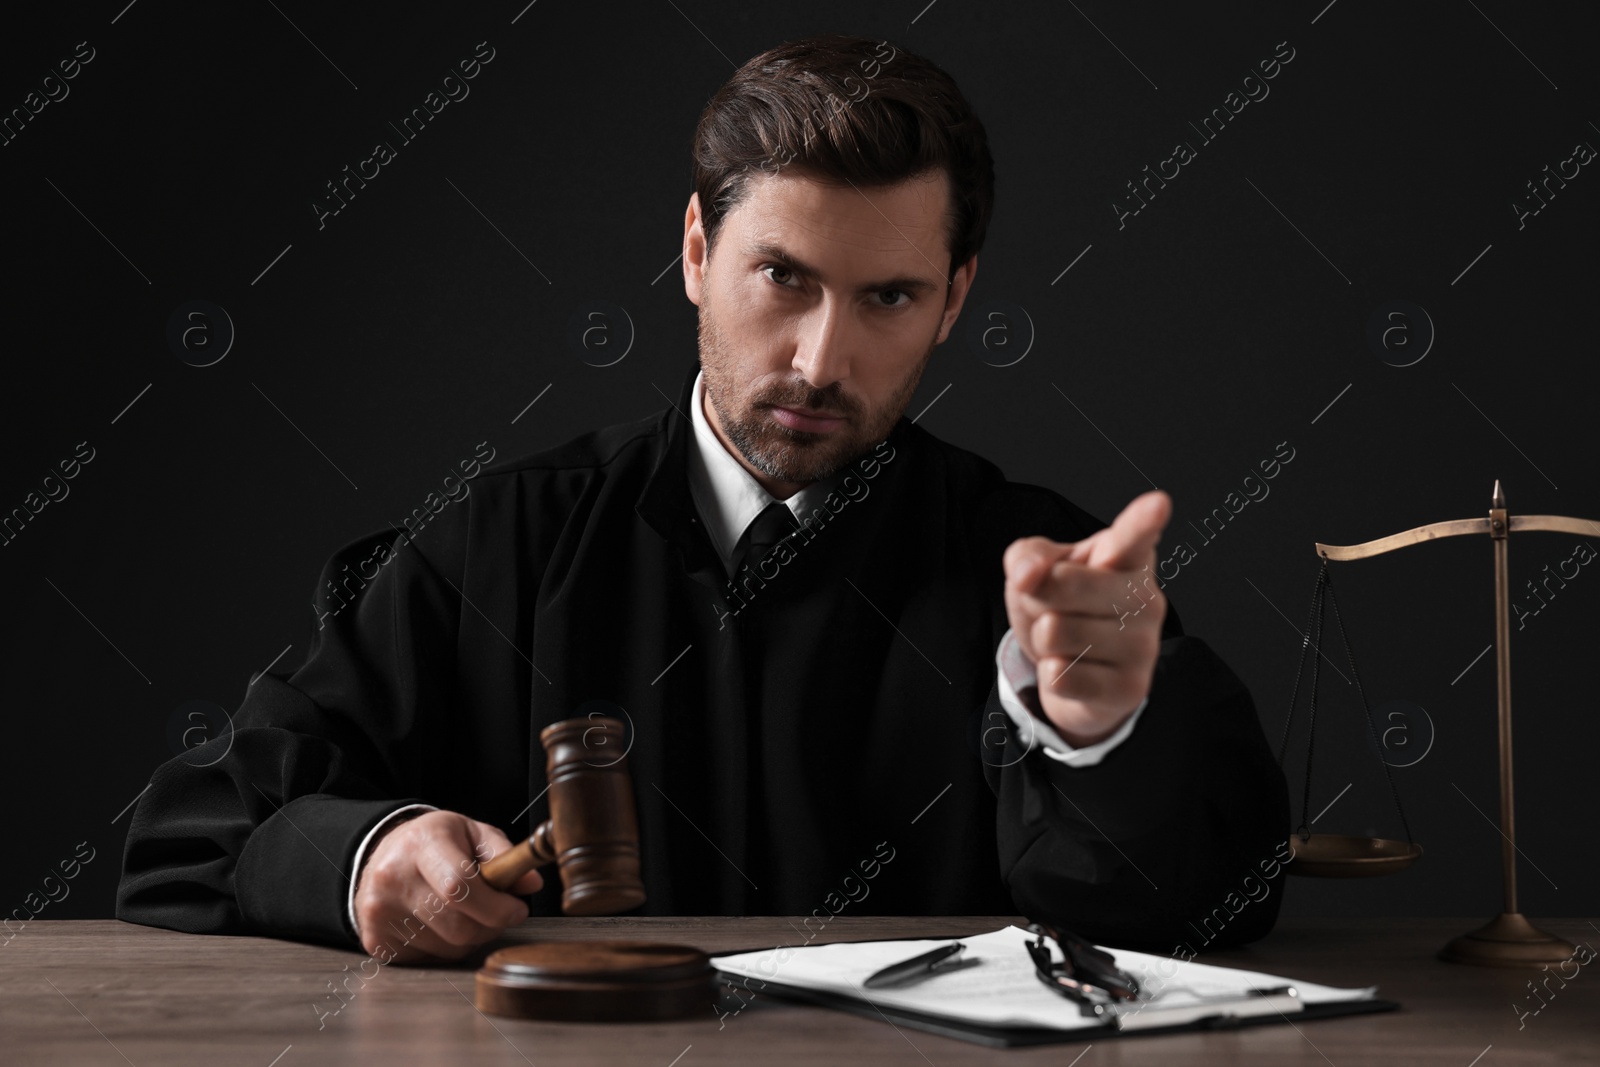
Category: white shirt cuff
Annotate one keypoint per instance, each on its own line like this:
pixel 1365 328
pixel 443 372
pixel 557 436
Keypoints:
pixel 1017 672
pixel 361 858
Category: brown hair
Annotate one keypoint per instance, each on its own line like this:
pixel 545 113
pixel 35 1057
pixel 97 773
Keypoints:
pixel 845 109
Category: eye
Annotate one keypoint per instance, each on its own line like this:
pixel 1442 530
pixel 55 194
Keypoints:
pixel 775 267
pixel 901 292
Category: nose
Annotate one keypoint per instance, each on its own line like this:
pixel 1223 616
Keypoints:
pixel 827 343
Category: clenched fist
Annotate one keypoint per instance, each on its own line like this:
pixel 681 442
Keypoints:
pixel 420 892
pixel 1088 614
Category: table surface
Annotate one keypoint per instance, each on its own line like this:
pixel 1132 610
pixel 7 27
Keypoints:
pixel 107 992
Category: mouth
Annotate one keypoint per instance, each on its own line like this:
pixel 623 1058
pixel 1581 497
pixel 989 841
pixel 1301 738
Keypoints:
pixel 810 420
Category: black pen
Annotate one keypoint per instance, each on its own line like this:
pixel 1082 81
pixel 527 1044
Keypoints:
pixel 926 963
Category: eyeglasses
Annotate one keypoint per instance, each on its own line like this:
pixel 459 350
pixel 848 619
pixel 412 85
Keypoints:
pixel 1085 974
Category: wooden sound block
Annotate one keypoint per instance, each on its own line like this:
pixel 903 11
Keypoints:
pixel 597 981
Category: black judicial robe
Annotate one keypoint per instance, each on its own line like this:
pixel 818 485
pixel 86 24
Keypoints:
pixel 835 745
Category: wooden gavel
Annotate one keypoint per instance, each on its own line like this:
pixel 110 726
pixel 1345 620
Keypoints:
pixel 593 829
pixel 593 833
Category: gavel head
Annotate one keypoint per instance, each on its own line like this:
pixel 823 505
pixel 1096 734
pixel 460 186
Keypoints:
pixel 593 829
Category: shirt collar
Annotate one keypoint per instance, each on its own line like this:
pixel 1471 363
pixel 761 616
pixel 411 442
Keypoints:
pixel 727 495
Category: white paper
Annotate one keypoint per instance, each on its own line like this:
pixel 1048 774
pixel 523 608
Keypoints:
pixel 1002 989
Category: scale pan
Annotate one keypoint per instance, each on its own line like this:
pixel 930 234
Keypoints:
pixel 1346 856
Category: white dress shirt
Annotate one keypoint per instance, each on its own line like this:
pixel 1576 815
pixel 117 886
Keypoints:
pixel 729 498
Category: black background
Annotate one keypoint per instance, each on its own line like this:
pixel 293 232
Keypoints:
pixel 1228 316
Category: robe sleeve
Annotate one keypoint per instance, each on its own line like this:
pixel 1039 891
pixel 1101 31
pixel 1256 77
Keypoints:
pixel 260 838
pixel 1174 838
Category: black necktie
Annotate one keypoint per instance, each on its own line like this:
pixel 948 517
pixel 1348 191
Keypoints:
pixel 774 523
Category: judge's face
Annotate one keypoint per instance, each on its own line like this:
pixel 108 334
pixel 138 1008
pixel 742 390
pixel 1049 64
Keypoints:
pixel 820 305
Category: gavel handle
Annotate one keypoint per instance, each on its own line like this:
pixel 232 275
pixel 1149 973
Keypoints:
pixel 503 870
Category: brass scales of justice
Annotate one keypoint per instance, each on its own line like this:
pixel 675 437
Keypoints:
pixel 1509 939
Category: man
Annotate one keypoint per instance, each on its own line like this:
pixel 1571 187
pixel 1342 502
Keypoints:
pixel 861 670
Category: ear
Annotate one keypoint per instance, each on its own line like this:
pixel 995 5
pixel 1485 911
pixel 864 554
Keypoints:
pixel 960 285
pixel 694 250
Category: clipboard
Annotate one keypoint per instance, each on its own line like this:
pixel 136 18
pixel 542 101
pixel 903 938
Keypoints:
pixel 1005 1006
pixel 1026 1037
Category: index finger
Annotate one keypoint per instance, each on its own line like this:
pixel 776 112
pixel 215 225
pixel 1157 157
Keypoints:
pixel 1129 543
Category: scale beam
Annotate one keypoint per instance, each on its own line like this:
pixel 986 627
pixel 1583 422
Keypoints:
pixel 1430 532
pixel 1455 528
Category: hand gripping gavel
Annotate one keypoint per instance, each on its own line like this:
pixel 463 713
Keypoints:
pixel 593 829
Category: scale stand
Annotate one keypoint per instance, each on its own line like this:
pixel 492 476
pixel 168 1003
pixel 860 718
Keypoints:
pixel 1509 939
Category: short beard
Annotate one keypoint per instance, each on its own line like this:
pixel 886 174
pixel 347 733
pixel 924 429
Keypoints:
pixel 800 457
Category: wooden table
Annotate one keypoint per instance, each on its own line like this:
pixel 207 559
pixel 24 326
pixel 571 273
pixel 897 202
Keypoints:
pixel 106 992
